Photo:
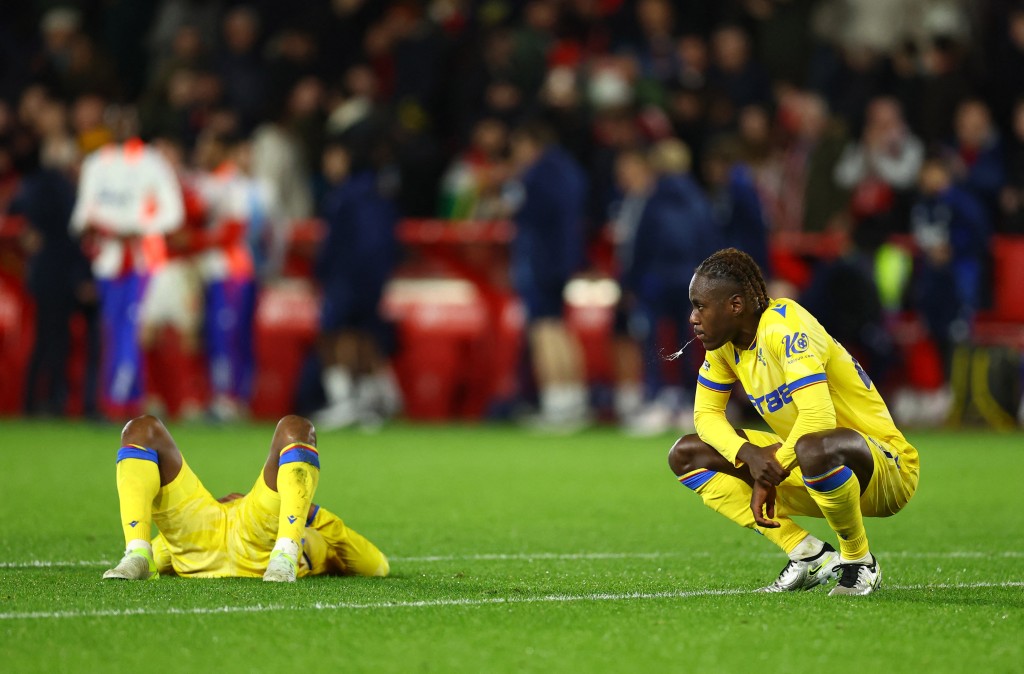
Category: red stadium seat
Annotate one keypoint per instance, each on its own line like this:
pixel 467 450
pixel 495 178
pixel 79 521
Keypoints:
pixel 17 334
pixel 441 325
pixel 1008 278
pixel 287 316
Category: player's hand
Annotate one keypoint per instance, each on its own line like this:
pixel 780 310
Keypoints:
pixel 763 465
pixel 233 496
pixel 762 502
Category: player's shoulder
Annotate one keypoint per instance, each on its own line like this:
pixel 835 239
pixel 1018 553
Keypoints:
pixel 786 313
pixel 787 318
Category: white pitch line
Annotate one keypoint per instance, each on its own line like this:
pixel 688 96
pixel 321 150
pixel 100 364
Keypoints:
pixel 435 603
pixel 568 556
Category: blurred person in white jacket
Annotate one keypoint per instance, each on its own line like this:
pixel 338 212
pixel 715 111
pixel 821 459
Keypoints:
pixel 128 199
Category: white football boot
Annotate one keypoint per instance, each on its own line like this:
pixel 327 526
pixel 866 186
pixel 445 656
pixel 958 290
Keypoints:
pixel 807 573
pixel 857 579
pixel 136 564
pixel 282 568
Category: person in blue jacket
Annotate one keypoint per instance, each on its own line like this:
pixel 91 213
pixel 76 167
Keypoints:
pixel 354 263
pixel 547 199
pixel 951 229
pixel 737 205
pixel 674 231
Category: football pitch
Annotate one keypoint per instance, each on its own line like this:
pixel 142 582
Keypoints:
pixel 511 552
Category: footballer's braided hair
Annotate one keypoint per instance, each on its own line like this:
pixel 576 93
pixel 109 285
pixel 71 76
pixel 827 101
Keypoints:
pixel 735 265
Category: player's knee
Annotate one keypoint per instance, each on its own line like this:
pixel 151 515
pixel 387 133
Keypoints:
pixel 684 451
pixel 144 431
pixel 292 429
pixel 812 452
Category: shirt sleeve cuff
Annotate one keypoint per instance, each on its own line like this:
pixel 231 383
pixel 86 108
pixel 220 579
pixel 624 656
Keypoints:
pixel 730 450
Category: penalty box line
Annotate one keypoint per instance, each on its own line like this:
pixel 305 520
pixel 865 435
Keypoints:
pixel 436 603
pixel 555 556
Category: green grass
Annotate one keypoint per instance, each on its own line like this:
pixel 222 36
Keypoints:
pixel 510 553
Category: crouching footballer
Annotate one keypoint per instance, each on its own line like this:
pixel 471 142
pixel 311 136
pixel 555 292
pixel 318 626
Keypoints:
pixel 834 453
pixel 275 531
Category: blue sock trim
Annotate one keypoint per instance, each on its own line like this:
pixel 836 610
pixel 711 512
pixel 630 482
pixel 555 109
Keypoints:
pixel 695 480
pixel 299 454
pixel 309 520
pixel 136 452
pixel 830 481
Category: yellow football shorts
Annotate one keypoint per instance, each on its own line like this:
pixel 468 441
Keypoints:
pixel 893 481
pixel 202 538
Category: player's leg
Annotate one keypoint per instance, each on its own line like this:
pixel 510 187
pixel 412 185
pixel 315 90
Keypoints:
pixel 726 489
pixel 293 471
pixel 837 466
pixel 147 460
pixel 336 549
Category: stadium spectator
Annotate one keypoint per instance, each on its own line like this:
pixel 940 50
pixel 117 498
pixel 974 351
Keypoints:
pixel 57 274
pixel 796 185
pixel 128 198
pixel 1011 198
pixel 233 203
pixel 471 187
pixel 736 204
pixel 275 531
pixel 674 230
pixel 87 119
pixel 833 452
pixel 977 159
pixel 817 146
pixel 241 66
pixel 951 230
pixel 655 49
pixel 882 166
pixel 843 295
pixel 355 261
pixel 279 165
pixel 59 28
pixel 733 73
pixel 945 86
pixel 548 198
pixel 173 302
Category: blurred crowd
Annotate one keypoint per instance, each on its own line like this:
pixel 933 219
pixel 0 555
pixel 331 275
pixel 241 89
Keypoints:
pixel 161 152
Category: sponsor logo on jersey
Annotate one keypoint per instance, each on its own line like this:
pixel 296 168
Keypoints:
pixel 795 343
pixel 772 401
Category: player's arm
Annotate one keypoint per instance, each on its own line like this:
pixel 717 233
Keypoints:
pixel 713 427
pixel 807 385
pixel 169 213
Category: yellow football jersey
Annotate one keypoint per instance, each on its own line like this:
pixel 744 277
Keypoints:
pixel 798 378
pixel 203 538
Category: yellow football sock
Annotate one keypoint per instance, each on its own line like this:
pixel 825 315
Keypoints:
pixel 298 474
pixel 730 496
pixel 138 481
pixel 837 493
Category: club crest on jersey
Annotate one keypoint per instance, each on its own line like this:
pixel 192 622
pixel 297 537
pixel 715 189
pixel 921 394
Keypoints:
pixel 706 366
pixel 795 343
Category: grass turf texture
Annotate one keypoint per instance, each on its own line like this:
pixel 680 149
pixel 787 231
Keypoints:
pixel 510 552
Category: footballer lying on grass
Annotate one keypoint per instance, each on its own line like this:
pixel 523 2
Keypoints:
pixel 835 451
pixel 274 531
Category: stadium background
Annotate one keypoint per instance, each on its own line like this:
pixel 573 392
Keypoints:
pixel 786 85
pixel 511 550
